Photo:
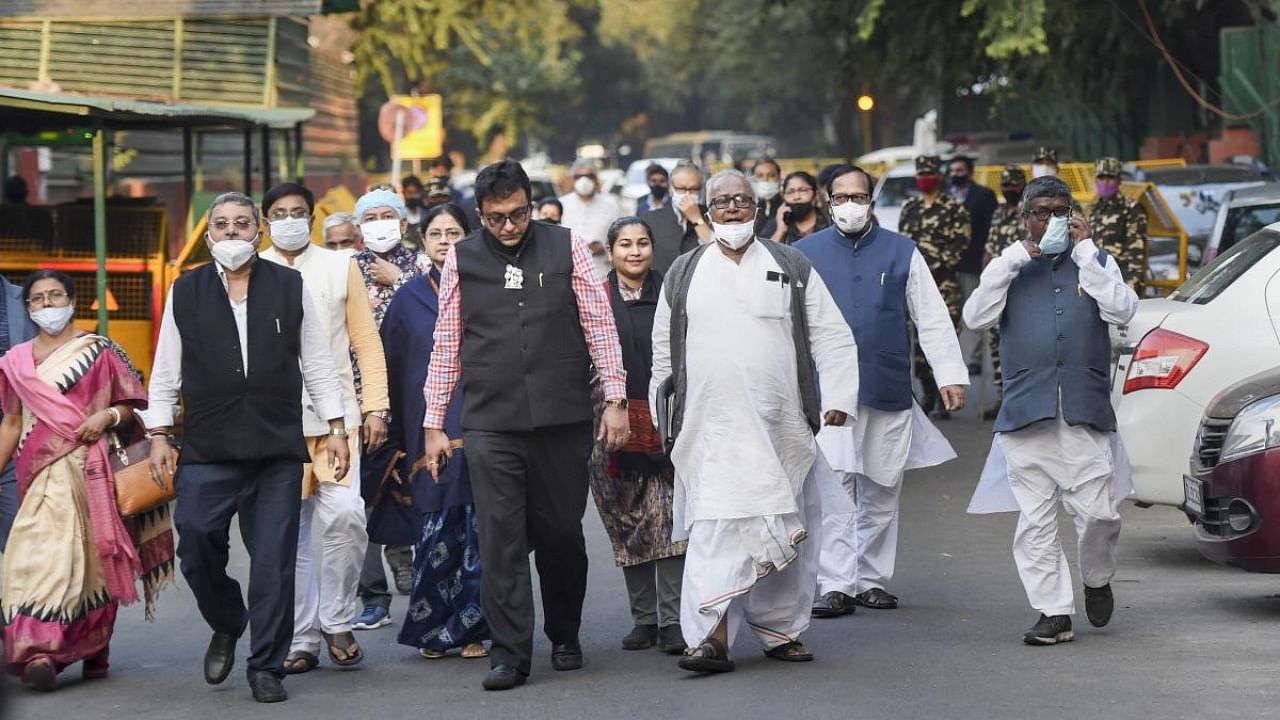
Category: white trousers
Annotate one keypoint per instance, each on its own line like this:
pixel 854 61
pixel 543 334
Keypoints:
pixel 328 603
pixel 757 570
pixel 860 548
pixel 1051 461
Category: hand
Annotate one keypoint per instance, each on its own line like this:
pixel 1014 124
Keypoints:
pixel 1032 248
pixel 339 455
pixel 93 426
pixel 689 208
pixel 437 444
pixel 1078 229
pixel 385 273
pixel 615 428
pixel 953 397
pixel 162 459
pixel 373 432
pixel 784 215
pixel 835 417
pixel 596 247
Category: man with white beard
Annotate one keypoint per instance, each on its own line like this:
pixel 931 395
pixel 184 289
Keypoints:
pixel 740 328
pixel 879 280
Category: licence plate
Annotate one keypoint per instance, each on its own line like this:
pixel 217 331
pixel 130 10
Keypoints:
pixel 1193 490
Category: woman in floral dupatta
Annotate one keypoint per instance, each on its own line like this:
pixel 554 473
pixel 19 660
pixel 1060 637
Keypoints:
pixel 71 558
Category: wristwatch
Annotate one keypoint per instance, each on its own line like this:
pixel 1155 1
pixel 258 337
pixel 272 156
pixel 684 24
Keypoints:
pixel 338 432
pixel 698 222
pixel 620 403
pixel 383 415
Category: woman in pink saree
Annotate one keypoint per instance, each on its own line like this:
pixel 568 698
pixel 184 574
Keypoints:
pixel 71 558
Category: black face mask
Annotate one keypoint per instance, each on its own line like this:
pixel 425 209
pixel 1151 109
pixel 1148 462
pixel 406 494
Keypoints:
pixel 1012 197
pixel 413 203
pixel 800 211
pixel 960 181
pixel 658 191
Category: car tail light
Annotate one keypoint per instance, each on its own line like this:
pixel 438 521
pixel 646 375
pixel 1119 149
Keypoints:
pixel 1162 359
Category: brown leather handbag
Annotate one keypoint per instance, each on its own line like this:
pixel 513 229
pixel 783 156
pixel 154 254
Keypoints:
pixel 136 490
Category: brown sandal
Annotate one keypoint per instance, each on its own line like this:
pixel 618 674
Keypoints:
pixel 711 656
pixel 471 651
pixel 790 652
pixel 300 662
pixel 344 651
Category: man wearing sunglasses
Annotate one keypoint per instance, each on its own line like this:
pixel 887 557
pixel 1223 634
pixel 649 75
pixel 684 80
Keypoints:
pixel 522 321
pixel 1054 296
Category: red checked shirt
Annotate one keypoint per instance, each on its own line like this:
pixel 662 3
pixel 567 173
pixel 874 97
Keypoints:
pixel 593 311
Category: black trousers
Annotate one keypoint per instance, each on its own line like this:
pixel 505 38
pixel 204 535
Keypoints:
pixel 267 496
pixel 530 491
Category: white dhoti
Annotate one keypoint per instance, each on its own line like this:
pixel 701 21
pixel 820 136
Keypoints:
pixel 328 603
pixel 1030 470
pixel 860 511
pixel 759 570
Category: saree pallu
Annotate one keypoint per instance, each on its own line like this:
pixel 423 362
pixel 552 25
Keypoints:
pixel 444 606
pixel 71 558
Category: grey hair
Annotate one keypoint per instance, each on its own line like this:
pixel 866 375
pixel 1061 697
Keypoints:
pixel 718 177
pixel 236 198
pixel 583 164
pixel 686 166
pixel 338 220
pixel 1047 186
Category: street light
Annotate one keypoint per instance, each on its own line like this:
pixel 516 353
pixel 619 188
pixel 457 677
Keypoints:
pixel 865 104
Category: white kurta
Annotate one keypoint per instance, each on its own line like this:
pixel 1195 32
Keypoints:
pixel 860 525
pixel 745 451
pixel 1033 468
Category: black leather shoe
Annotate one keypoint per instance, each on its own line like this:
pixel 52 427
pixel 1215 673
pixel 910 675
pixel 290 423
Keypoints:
pixel 834 604
pixel 671 639
pixel 504 677
pixel 876 599
pixel 641 637
pixel 267 688
pixel 219 658
pixel 566 656
pixel 1099 603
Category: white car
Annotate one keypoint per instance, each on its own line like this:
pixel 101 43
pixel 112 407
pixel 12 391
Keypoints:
pixel 892 190
pixel 1179 352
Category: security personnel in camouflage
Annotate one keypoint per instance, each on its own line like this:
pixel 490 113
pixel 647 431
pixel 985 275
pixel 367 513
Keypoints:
pixel 1120 225
pixel 1007 228
pixel 940 228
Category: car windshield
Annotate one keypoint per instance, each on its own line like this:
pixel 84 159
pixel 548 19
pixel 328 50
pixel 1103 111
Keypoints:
pixel 1228 267
pixel 1245 221
pixel 896 190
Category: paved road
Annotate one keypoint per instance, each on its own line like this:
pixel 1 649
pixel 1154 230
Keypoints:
pixel 1189 640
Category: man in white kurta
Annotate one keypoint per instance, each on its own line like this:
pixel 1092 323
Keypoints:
pixel 745 457
pixel 1054 297
pixel 880 281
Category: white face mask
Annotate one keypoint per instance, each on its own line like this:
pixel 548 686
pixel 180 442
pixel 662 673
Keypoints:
pixel 851 217
pixel 346 252
pixel 1043 171
pixel 734 235
pixel 291 234
pixel 584 186
pixel 1055 239
pixel 53 320
pixel 232 254
pixel 766 190
pixel 381 235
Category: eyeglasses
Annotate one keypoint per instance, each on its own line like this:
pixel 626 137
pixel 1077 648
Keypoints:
pixel 797 191
pixel 223 224
pixel 298 213
pixel 692 189
pixel 496 221
pixel 742 202
pixel 1043 214
pixel 450 234
pixel 856 198
pixel 53 297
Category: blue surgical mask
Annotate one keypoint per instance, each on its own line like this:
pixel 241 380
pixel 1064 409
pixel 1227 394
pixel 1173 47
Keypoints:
pixel 1055 238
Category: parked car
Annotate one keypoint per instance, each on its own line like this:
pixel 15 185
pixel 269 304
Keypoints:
pixel 892 190
pixel 1178 352
pixel 1243 212
pixel 1233 488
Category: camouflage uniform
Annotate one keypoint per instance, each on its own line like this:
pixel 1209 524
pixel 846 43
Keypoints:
pixel 1007 228
pixel 941 233
pixel 1119 227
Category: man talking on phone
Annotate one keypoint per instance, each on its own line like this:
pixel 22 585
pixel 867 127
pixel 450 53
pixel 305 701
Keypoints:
pixel 522 321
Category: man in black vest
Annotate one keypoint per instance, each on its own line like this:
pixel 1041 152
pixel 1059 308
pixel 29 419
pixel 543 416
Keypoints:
pixel 522 320
pixel 238 340
pixel 682 226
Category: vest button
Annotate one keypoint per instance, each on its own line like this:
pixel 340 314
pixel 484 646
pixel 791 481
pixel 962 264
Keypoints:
pixel 520 304
pixel 1057 290
pixel 857 278
pixel 1058 311
pixel 857 305
pixel 1059 363
pixel 1061 338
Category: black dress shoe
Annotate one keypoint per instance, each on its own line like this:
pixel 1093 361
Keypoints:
pixel 267 688
pixel 641 637
pixel 504 677
pixel 834 604
pixel 671 639
pixel 876 599
pixel 219 658
pixel 566 656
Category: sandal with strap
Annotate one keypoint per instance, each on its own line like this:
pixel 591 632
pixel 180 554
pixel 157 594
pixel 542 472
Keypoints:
pixel 790 652
pixel 711 656
pixel 471 651
pixel 299 662
pixel 344 651
pixel 431 654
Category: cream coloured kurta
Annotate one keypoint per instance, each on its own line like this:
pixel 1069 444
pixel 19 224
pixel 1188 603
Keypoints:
pixel 745 449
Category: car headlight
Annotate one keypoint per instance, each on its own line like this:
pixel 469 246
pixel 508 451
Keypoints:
pixel 1255 429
